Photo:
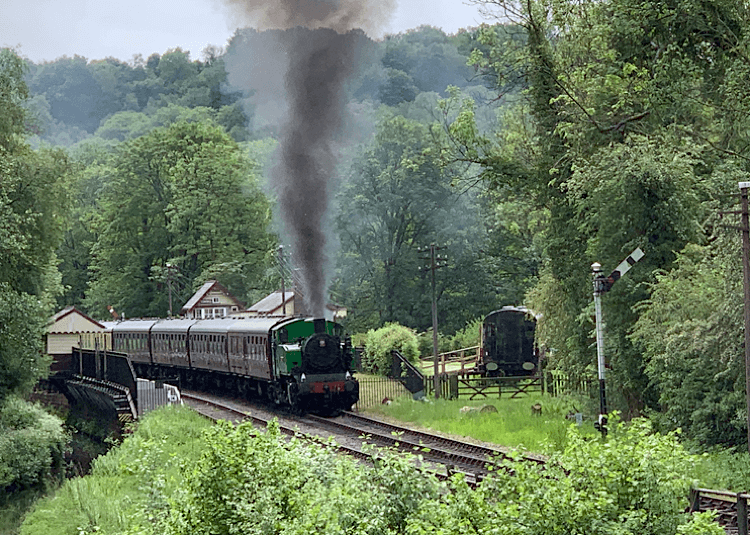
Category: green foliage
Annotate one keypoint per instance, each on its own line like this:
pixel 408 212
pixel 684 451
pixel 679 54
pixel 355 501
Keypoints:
pixel 379 344
pixel 468 336
pixel 22 326
pixel 185 195
pixel 117 100
pixel 426 343
pixel 588 143
pixel 13 94
pixel 32 443
pixel 703 523
pixel 128 487
pixel 398 199
pixel 33 193
pixel 719 468
pixel 632 483
pixel 399 87
pixel 253 482
pixel 690 332
pixel 174 476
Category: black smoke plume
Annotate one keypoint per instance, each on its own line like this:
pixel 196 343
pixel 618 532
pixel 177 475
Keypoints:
pixel 315 85
pixel 320 57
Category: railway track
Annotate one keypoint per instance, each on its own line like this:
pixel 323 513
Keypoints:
pixel 216 409
pixel 453 455
pixel 439 455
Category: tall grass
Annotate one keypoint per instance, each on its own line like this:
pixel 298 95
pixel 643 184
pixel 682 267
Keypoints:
pixel 13 507
pixel 135 477
pixel 513 425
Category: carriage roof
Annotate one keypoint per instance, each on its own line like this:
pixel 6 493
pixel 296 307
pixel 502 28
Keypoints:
pixel 177 325
pixel 138 325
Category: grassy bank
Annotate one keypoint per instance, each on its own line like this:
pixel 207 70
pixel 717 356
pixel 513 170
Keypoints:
pixel 128 480
pixel 172 476
pixel 514 426
pixel 512 422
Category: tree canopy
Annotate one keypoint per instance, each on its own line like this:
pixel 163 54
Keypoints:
pixel 630 133
pixel 33 210
pixel 184 195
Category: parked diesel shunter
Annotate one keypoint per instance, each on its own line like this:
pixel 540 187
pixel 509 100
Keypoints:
pixel 507 343
pixel 304 363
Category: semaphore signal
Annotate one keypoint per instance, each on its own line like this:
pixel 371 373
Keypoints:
pixel 602 285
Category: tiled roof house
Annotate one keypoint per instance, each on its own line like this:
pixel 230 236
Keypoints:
pixel 212 300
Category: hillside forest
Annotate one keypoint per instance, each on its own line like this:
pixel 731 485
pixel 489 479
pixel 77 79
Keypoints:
pixel 557 135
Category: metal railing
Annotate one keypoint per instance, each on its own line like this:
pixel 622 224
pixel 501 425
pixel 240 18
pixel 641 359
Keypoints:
pixel 376 390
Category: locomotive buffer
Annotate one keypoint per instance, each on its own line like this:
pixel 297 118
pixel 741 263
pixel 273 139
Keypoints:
pixel 602 285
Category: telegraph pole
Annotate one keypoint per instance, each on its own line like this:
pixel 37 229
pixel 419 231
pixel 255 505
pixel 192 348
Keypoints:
pixel 170 267
pixel 436 262
pixel 745 227
pixel 602 285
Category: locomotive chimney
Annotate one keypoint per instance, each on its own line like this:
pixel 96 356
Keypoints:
pixel 320 325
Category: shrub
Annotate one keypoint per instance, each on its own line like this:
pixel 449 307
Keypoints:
pixel 424 340
pixel 468 336
pixel 633 482
pixel 32 444
pixel 379 344
pixel 248 481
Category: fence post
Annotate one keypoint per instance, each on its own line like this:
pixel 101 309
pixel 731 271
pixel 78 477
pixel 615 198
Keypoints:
pixel 453 381
pixel 742 513
pixel 695 500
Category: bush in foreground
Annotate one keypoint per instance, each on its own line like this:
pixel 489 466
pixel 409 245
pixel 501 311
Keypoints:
pixel 32 445
pixel 633 483
pixel 232 480
pixel 128 485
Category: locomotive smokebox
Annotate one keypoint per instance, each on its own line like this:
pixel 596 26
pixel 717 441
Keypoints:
pixel 319 324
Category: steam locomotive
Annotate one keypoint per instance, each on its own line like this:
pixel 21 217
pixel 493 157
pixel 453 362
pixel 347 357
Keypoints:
pixel 507 345
pixel 303 363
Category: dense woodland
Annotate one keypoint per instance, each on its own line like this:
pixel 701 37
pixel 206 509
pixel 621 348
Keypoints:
pixel 571 133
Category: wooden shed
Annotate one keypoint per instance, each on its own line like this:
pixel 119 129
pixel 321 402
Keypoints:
pixel 71 328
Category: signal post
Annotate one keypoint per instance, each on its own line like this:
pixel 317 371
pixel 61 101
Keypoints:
pixel 602 285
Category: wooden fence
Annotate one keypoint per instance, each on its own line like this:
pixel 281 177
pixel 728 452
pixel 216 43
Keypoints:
pixel 460 361
pixel 472 387
pixel 560 383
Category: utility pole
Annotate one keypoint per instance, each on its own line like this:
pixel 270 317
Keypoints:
pixel 436 262
pixel 170 267
pixel 602 285
pixel 745 227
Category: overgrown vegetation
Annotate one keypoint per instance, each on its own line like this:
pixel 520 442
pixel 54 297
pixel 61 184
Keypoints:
pixel 130 484
pixel 380 342
pixel 176 476
pixel 32 448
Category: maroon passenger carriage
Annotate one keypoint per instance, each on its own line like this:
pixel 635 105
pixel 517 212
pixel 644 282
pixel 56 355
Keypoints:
pixel 274 357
